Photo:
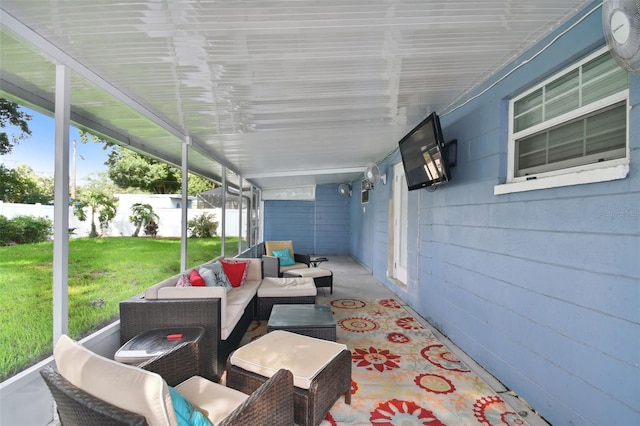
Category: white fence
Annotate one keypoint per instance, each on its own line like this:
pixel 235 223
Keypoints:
pixel 168 224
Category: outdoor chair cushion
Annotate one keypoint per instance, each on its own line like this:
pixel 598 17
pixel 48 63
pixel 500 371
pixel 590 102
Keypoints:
pixel 196 279
pixel 271 246
pixel 186 412
pixel 214 400
pixel 214 276
pixel 286 259
pixel 236 270
pixel 124 386
pixel 198 401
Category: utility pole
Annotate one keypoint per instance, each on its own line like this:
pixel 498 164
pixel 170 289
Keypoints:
pixel 72 190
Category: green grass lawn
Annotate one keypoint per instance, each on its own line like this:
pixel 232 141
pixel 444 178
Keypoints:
pixel 102 272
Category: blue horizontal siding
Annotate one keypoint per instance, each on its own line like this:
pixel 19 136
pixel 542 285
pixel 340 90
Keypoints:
pixel 320 226
pixel 540 287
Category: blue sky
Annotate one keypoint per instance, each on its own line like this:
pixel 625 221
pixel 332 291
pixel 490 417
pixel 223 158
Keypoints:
pixel 38 150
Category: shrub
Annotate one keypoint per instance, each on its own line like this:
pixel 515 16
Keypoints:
pixel 203 226
pixel 5 230
pixel 151 229
pixel 25 230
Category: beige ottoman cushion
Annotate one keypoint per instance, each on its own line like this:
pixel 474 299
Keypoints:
pixel 304 356
pixel 310 272
pixel 287 287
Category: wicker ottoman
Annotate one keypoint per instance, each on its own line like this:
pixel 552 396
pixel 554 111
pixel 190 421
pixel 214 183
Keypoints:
pixel 321 277
pixel 283 291
pixel 321 371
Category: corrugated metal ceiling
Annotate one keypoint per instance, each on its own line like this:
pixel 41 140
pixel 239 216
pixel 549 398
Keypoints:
pixel 286 93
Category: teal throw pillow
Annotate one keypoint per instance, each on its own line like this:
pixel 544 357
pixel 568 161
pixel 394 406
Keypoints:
pixel 285 257
pixel 214 276
pixel 186 413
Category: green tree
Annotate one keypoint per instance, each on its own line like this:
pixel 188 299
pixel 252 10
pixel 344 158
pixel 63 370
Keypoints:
pixel 22 185
pixel 143 215
pixel 10 115
pixel 12 187
pixel 198 184
pixel 100 182
pixel 104 205
pixel 129 169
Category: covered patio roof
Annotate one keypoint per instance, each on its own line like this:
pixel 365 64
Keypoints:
pixel 283 93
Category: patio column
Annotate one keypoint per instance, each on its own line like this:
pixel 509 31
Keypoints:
pixel 185 199
pixel 223 219
pixel 61 204
pixel 240 203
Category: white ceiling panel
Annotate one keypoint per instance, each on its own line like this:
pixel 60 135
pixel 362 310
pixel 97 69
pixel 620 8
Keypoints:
pixel 284 93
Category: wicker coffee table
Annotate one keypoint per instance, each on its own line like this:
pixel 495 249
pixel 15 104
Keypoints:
pixel 306 319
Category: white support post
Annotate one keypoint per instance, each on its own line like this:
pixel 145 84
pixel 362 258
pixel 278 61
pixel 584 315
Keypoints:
pixel 185 200
pixel 261 216
pixel 240 203
pixel 223 219
pixel 250 239
pixel 61 204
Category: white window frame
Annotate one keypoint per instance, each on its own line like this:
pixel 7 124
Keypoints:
pixel 587 173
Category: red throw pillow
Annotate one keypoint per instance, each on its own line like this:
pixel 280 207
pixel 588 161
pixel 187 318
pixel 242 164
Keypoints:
pixel 195 279
pixel 235 270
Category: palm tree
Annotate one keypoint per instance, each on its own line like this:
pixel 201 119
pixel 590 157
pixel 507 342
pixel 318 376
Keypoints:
pixel 143 215
pixel 102 204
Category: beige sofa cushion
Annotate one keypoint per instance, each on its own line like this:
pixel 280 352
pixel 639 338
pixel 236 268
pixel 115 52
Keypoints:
pixel 241 296
pixel 233 315
pixel 152 292
pixel 124 386
pixel 255 270
pixel 304 356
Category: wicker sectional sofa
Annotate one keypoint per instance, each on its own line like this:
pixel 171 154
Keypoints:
pixel 224 316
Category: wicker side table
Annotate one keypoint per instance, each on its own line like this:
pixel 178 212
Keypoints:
pixel 153 343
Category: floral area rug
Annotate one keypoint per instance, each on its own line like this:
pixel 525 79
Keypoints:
pixel 402 375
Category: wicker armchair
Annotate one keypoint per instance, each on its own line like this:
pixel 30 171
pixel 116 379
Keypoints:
pixel 76 407
pixel 271 266
pixel 272 403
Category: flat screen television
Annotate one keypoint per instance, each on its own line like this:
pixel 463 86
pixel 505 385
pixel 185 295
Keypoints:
pixel 424 156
